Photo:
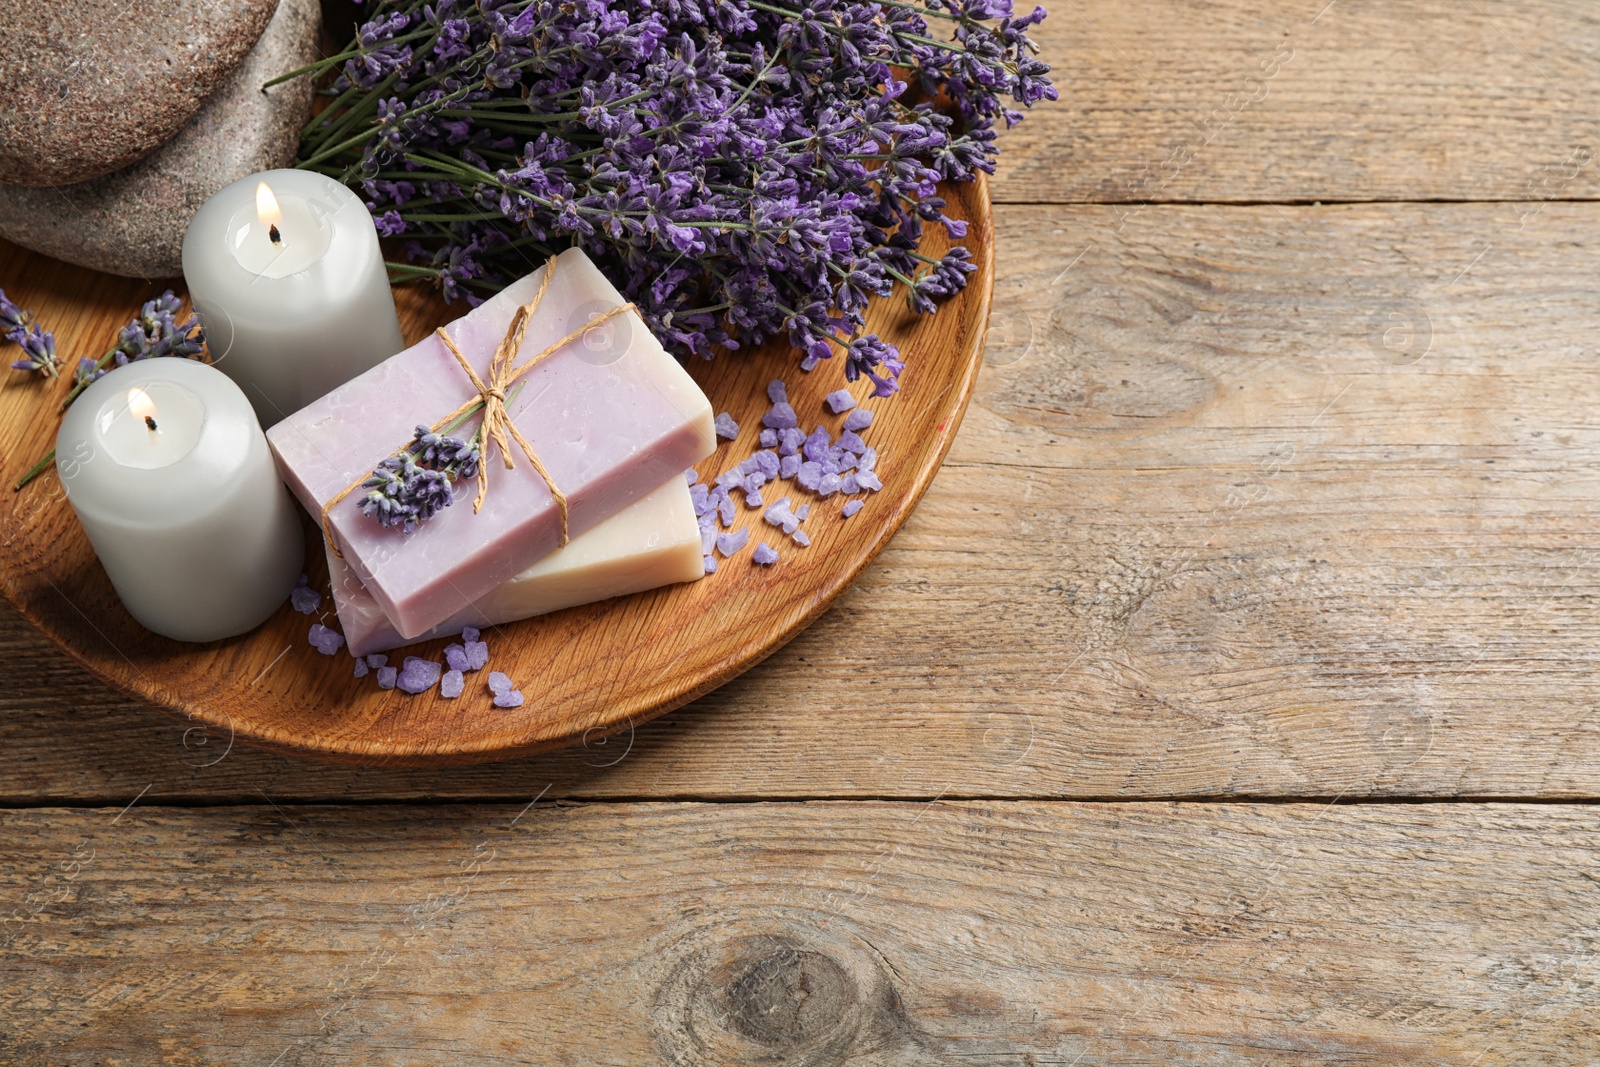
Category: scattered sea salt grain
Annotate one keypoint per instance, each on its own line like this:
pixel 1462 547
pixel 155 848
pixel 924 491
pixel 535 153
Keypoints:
pixel 829 484
pixel 868 480
pixel 726 510
pixel 387 677
pixel 840 400
pixel 700 497
pixel 781 417
pixel 849 483
pixel 725 426
pixel 325 640
pixel 729 543
pixel 708 537
pixel 455 657
pixel 869 459
pixel 858 420
pixel 511 698
pixel 851 508
pixel 790 440
pixel 361 668
pixel 810 474
pixel 477 652
pixel 778 513
pixel 805 509
pixel 469 633
pixel 764 554
pixel 851 441
pixel 789 466
pixel 769 438
pixel 376 660
pixel 819 444
pixel 777 392
pixel 691 476
pixel 499 682
pixel 452 684
pixel 753 499
pixel 710 564
pixel 418 675
pixel 305 600
pixel 802 537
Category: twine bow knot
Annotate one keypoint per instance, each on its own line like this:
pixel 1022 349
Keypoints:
pixel 496 426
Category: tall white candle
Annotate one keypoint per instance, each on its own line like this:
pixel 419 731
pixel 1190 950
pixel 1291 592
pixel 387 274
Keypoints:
pixel 285 271
pixel 170 475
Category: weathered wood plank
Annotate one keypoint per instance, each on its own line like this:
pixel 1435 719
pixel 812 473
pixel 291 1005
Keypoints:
pixel 1202 533
pixel 1310 100
pixel 824 933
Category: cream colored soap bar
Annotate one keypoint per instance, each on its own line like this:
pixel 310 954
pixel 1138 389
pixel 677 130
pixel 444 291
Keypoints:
pixel 652 542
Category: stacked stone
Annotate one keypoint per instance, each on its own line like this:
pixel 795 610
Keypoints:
pixel 118 120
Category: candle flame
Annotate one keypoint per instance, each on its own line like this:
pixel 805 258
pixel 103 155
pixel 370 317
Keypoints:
pixel 140 405
pixel 267 206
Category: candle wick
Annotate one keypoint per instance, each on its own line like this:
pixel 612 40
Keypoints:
pixel 272 232
pixel 150 421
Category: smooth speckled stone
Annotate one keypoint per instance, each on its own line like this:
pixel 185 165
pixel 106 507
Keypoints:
pixel 90 86
pixel 132 222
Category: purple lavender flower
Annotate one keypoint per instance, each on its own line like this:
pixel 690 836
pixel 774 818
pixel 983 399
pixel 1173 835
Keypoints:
pixel 409 488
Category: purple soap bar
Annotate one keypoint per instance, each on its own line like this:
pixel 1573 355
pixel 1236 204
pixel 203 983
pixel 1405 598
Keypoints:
pixel 611 415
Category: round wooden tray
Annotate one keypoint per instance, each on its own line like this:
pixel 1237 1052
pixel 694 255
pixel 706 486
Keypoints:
pixel 587 671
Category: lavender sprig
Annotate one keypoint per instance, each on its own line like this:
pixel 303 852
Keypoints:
pixel 155 331
pixel 410 487
pixel 39 346
pixel 743 170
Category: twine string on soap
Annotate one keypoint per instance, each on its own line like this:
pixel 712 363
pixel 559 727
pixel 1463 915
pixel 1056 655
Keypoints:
pixel 497 424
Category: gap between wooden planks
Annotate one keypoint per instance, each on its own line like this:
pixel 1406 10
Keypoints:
pixel 827 933
pixel 1254 501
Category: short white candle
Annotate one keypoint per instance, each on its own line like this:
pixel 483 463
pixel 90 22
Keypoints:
pixel 170 475
pixel 285 271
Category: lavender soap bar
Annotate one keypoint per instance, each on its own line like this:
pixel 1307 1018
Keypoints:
pixel 611 415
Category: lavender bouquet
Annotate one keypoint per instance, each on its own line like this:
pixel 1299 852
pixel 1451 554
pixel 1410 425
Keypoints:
pixel 741 169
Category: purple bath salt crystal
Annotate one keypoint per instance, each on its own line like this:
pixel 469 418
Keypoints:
pixel 729 543
pixel 868 480
pixel 829 484
pixel 700 497
pixel 511 698
pixel 790 440
pixel 818 444
pixel 789 466
pixel 849 483
pixel 418 675
pixel 691 476
pixel 730 477
pixel 840 400
pixel 754 481
pixel 469 633
pixel 765 463
pixel 708 537
pixel 764 554
pixel 325 640
pixel 754 499
pixel 810 474
pixel 499 682
pixel 455 657
pixel 851 508
pixel 778 513
pixel 477 654
pixel 376 660
pixel 802 512
pixel 869 459
pixel 452 684
pixel 387 677
pixel 830 462
pixel 809 364
pixel 802 537
pixel 361 668
pixel 725 426
pixel 768 438
pixel 851 441
pixel 305 600
pixel 726 510
pixel 710 564
pixel 777 392
pixel 781 417
pixel 858 420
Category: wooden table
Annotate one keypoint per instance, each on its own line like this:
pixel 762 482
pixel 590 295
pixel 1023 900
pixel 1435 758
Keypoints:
pixel 1229 700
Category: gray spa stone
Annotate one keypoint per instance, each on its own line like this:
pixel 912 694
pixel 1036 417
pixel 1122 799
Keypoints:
pixel 89 86
pixel 132 222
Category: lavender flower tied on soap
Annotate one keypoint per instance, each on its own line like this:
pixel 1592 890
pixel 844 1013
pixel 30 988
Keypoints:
pixel 409 488
pixel 742 170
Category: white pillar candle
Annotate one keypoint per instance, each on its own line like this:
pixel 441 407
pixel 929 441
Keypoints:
pixel 170 475
pixel 286 274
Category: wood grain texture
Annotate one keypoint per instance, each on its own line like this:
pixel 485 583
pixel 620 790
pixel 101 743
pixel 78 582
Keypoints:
pixel 1204 532
pixel 828 934
pixel 588 671
pixel 1238 100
